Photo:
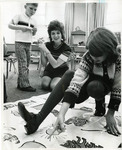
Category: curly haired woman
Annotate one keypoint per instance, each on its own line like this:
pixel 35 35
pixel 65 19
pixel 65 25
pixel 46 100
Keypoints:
pixel 54 55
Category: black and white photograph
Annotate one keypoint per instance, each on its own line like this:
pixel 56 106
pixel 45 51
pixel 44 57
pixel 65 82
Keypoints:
pixel 61 74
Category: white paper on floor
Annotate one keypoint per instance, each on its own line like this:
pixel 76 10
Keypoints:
pixel 83 129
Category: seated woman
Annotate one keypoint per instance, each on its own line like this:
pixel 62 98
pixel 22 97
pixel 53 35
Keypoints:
pixel 54 55
pixel 98 74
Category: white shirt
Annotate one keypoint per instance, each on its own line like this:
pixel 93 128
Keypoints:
pixel 23 20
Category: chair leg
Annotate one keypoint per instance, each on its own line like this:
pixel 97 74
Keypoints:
pixel 7 69
pixel 14 68
pixel 38 64
pixel 10 65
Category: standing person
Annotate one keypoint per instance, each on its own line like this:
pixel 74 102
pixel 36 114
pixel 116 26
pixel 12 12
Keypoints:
pixel 98 74
pixel 25 28
pixel 54 55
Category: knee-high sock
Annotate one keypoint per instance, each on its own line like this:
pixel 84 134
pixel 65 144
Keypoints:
pixel 100 105
pixel 56 96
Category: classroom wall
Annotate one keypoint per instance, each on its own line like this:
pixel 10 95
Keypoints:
pixel 114 16
pixel 55 10
pixel 80 15
pixel 8 11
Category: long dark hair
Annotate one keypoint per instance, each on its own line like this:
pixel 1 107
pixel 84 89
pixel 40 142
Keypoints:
pixel 56 25
pixel 102 41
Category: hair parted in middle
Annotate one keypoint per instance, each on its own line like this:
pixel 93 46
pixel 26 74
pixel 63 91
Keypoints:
pixel 102 41
pixel 34 4
pixel 56 25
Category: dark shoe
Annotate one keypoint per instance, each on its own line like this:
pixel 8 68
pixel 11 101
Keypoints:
pixel 30 118
pixel 28 89
pixel 31 126
pixel 24 113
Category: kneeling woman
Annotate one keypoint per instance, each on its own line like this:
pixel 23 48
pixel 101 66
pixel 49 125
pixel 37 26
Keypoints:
pixel 54 55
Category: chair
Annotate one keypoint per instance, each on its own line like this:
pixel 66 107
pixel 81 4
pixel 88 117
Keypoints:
pixel 9 57
pixel 10 60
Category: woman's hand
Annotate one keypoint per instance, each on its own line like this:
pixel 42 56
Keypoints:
pixel 59 125
pixel 111 125
pixel 42 46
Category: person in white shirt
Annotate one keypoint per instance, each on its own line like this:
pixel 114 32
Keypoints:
pixel 25 28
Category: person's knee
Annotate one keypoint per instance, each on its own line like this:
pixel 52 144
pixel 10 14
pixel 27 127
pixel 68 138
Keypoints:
pixel 45 84
pixel 69 74
pixel 96 89
pixel 54 82
pixel 52 86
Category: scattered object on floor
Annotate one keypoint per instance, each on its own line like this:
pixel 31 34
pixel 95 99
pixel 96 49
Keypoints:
pixel 32 144
pixel 87 109
pixel 11 138
pixel 77 144
pixel 76 121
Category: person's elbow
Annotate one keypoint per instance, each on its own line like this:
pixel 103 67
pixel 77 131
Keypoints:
pixel 9 26
pixel 55 65
pixel 58 63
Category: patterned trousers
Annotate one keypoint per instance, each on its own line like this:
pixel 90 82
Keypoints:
pixel 22 51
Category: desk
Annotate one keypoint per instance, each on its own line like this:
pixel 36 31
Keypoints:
pixel 35 54
pixel 34 47
pixel 11 47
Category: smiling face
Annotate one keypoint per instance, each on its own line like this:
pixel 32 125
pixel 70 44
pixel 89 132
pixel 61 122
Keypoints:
pixel 100 59
pixel 56 36
pixel 30 9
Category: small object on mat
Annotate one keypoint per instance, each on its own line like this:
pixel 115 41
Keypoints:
pixel 32 144
pixel 86 109
pixel 77 144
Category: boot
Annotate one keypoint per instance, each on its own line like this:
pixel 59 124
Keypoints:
pixel 30 118
pixel 100 107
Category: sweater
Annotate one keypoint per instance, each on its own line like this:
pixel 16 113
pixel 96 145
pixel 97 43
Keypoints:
pixel 86 67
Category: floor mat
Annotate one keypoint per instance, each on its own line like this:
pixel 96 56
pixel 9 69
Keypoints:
pixel 83 129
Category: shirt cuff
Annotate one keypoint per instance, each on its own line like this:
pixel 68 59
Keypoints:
pixel 70 98
pixel 114 104
pixel 63 57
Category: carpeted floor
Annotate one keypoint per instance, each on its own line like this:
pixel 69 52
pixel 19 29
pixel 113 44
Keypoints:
pixel 11 85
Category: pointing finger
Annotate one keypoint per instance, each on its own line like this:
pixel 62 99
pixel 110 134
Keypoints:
pixel 54 129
